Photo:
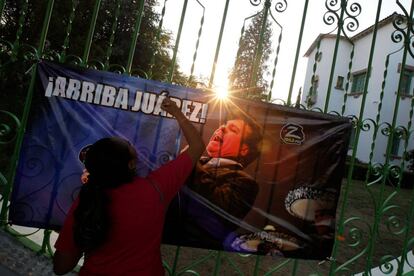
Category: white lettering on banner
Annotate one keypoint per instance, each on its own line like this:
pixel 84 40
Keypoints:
pixel 148 103
pixel 73 90
pixel 195 112
pixel 87 91
pixel 60 86
pixel 185 108
pixel 157 110
pixel 98 94
pixel 110 96
pixel 49 88
pixel 137 103
pixel 122 99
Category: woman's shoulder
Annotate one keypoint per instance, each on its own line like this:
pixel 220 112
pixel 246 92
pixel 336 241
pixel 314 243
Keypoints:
pixel 135 183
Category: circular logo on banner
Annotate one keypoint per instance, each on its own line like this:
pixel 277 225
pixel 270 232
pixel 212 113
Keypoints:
pixel 292 134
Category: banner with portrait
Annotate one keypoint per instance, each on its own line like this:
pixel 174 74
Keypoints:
pixel 268 182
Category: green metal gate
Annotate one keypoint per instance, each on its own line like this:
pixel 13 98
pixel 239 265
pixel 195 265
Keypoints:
pixel 376 211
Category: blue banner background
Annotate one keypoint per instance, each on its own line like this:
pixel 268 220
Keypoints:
pixel 48 175
pixel 283 202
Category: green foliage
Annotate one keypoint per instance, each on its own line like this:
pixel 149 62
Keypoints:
pixel 152 57
pixel 20 30
pixel 241 82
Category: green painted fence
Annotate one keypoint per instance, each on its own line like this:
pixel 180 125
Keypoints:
pixel 375 218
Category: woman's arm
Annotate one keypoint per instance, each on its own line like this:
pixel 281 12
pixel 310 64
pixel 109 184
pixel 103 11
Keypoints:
pixel 195 142
pixel 64 262
pixel 67 254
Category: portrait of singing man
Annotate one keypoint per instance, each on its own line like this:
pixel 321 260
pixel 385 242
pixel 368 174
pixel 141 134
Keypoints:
pixel 220 193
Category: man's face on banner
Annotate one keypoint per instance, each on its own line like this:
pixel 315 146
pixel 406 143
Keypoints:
pixel 227 140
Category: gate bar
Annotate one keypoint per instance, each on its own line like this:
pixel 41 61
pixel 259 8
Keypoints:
pixel 378 213
pixel 177 42
pixel 292 79
pixel 90 33
pixel 137 28
pixel 25 116
pixel 354 150
pixel 223 22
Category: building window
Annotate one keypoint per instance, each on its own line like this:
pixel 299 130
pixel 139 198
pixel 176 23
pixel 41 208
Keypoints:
pixel 395 146
pixel 405 88
pixel 358 82
pixel 340 83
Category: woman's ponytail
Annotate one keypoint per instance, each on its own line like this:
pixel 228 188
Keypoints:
pixel 91 216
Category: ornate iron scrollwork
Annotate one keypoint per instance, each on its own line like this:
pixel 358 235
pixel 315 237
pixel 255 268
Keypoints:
pixel 9 125
pixel 343 14
pixel 281 6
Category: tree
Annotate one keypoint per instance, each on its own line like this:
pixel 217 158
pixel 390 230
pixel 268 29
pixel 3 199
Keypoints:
pixel 152 55
pixel 240 79
pixel 24 20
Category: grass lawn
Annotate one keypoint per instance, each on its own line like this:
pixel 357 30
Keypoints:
pixel 363 203
pixel 360 205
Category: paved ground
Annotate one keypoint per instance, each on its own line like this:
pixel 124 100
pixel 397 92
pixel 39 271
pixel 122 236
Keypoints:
pixel 5 271
pixel 15 259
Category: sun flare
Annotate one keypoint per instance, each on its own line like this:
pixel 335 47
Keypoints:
pixel 221 93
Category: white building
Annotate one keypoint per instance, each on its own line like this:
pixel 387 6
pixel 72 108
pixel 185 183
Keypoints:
pixel 320 56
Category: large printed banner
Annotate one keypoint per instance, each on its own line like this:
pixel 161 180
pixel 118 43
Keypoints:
pixel 267 184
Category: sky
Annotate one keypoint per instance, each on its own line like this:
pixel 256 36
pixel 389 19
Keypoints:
pixel 238 10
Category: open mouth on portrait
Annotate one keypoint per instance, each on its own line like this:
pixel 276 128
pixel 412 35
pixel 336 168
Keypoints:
pixel 217 138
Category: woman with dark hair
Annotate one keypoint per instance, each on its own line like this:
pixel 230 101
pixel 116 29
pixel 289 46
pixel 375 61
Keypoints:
pixel 117 220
